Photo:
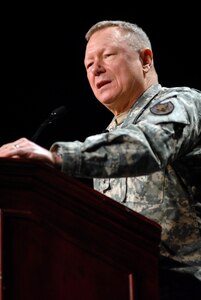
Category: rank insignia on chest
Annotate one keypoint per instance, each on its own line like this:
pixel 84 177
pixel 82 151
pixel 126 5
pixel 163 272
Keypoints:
pixel 162 108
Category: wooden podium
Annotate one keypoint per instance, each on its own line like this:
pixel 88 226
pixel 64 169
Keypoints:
pixel 62 240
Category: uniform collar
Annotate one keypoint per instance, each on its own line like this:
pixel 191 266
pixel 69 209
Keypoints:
pixel 141 102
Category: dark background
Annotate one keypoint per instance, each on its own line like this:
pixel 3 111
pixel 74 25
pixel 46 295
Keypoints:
pixel 42 53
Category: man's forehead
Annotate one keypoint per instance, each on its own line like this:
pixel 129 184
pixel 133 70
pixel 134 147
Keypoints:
pixel 108 33
pixel 105 39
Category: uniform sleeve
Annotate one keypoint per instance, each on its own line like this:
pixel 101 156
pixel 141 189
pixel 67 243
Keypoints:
pixel 160 136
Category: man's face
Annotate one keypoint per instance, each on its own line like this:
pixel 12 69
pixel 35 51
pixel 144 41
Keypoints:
pixel 114 70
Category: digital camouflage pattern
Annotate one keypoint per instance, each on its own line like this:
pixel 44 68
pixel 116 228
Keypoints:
pixel 151 162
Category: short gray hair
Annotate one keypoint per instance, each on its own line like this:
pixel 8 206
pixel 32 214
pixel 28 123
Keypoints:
pixel 134 35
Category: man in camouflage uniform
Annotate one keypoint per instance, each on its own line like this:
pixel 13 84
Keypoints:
pixel 149 157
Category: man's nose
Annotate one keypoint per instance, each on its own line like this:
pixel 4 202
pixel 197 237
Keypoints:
pixel 97 68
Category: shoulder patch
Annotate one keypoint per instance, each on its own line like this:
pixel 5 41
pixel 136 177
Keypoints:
pixel 162 108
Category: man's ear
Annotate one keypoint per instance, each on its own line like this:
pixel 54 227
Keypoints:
pixel 146 58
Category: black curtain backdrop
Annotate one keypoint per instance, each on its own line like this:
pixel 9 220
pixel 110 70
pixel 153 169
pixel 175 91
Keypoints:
pixel 42 63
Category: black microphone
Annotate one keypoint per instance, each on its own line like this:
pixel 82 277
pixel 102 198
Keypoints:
pixel 55 114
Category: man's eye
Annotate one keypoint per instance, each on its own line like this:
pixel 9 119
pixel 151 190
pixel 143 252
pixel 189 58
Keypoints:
pixel 89 65
pixel 108 54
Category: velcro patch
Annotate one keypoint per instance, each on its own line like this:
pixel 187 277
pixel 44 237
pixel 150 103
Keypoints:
pixel 162 108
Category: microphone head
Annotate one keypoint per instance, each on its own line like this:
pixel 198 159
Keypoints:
pixel 55 114
pixel 58 112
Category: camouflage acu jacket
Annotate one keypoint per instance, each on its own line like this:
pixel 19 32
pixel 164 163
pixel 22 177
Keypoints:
pixel 151 162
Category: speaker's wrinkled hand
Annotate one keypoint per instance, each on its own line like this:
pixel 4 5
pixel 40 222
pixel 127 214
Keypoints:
pixel 26 149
